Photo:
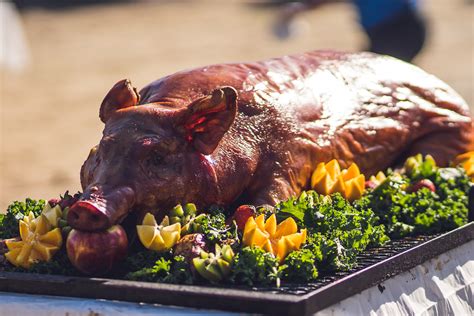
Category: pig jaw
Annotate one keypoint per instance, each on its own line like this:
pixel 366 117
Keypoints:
pixel 99 209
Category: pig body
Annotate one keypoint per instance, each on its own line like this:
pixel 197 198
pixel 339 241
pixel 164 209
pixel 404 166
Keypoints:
pixel 256 131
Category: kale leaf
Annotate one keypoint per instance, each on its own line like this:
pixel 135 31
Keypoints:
pixel 407 213
pixel 254 266
pixel 159 271
pixel 337 231
pixel 151 266
pixel 180 272
pixel 299 266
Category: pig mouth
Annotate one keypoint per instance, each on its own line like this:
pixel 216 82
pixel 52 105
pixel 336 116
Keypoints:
pixel 99 209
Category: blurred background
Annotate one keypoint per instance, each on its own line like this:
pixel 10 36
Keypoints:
pixel 59 58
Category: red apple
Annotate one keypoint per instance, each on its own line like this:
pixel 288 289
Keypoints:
pixel 242 214
pixel 96 252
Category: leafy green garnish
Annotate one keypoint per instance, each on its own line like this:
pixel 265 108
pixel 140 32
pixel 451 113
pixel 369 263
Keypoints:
pixel 423 211
pixel 298 208
pixel 180 272
pixel 337 231
pixel 165 268
pixel 254 266
pixel 144 259
pixel 159 271
pixel 299 266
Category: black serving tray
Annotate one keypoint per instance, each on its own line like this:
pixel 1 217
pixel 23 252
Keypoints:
pixel 375 266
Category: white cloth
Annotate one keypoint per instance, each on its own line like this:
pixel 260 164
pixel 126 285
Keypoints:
pixel 441 286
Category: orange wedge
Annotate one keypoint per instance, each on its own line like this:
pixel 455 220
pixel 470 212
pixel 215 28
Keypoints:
pixel 158 237
pixel 329 178
pixel 278 239
pixel 38 242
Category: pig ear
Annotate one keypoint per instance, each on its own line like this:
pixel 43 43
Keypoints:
pixel 206 120
pixel 122 95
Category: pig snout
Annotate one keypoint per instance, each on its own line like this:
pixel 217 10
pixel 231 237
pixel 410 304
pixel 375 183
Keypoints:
pixel 98 209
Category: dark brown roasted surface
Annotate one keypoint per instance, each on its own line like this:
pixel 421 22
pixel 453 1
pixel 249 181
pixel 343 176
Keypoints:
pixel 255 131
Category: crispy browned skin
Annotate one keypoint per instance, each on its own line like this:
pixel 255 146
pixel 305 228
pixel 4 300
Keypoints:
pixel 255 131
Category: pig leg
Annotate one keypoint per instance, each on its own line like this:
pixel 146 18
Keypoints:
pixel 279 181
pixel 290 172
pixel 431 144
pixel 278 190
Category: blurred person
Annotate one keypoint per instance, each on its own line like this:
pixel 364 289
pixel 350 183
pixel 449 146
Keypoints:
pixel 393 27
pixel 14 52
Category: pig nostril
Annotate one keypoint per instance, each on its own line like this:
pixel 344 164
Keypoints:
pixel 87 217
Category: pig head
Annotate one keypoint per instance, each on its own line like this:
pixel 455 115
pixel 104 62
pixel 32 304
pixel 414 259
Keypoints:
pixel 150 156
